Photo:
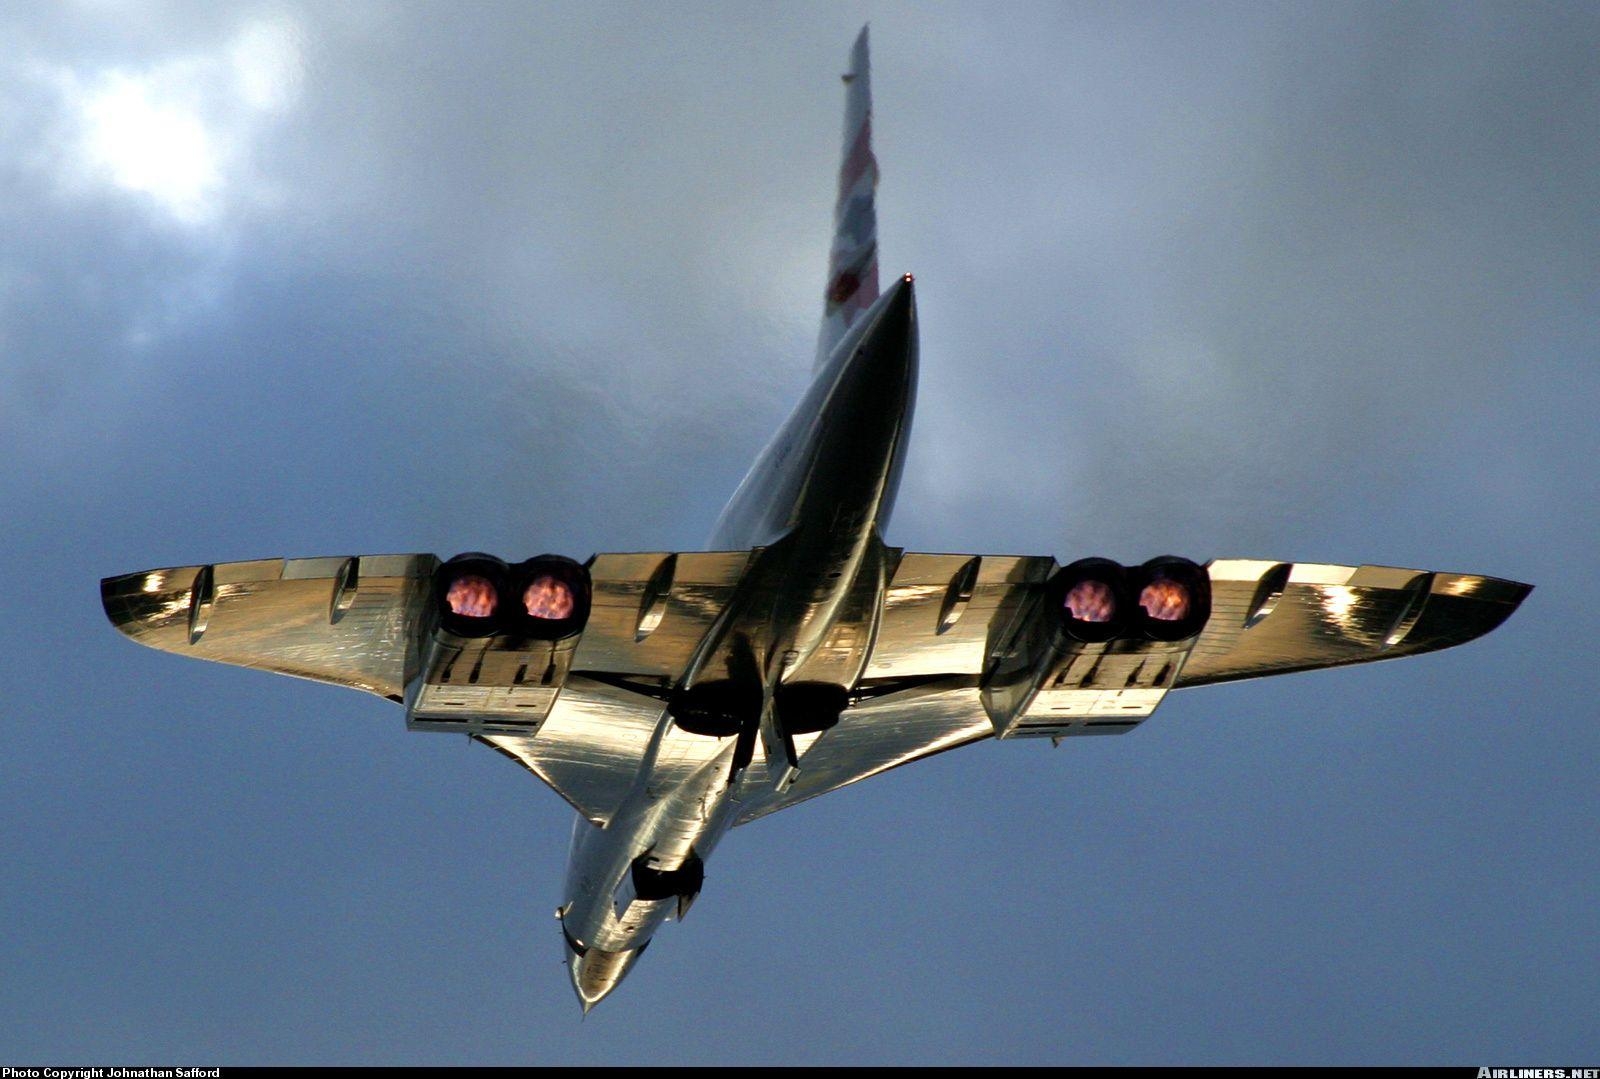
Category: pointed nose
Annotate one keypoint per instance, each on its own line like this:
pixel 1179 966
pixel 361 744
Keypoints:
pixel 596 972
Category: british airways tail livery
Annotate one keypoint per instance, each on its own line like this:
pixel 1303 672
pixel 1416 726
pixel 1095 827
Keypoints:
pixel 670 696
pixel 853 259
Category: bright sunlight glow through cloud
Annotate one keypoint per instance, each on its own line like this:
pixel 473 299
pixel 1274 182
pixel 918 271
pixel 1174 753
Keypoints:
pixel 179 132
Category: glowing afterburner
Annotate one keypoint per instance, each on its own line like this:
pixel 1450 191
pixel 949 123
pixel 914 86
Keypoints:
pixel 548 598
pixel 1164 599
pixel 471 596
pixel 1091 601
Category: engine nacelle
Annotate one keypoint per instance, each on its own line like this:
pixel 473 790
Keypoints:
pixel 1091 601
pixel 1174 598
pixel 1099 649
pixel 545 598
pixel 502 643
pixel 468 594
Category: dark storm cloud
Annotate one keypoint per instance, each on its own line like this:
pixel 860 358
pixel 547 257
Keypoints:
pixel 1300 248
pixel 488 160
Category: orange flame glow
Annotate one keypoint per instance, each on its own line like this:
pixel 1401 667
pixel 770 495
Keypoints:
pixel 471 596
pixel 1165 599
pixel 549 598
pixel 1091 601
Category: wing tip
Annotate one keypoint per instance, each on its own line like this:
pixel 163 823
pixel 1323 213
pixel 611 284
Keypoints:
pixel 160 608
pixel 1324 615
pixel 1470 607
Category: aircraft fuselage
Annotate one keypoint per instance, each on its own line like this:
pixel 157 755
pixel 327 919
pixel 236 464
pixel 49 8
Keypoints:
pixel 785 653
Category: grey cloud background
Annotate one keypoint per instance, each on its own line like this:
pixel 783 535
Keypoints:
pixel 1300 281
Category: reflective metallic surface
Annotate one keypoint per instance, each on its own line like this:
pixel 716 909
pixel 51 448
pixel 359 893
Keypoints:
pixel 1272 618
pixel 597 972
pixel 349 621
pixel 951 660
pixel 1267 618
pixel 668 696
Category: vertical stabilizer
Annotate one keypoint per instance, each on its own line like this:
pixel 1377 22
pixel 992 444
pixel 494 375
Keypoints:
pixel 853 259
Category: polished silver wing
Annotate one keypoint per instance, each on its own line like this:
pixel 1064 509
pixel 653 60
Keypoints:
pixel 965 647
pixel 960 655
pixel 347 621
pixel 1280 617
pixel 579 713
pixel 650 613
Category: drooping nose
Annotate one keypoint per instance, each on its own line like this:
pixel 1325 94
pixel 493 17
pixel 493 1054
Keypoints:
pixel 596 972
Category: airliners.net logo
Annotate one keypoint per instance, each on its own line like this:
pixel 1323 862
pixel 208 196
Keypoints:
pixel 1539 1073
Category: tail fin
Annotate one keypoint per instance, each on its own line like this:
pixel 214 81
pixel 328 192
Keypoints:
pixel 853 260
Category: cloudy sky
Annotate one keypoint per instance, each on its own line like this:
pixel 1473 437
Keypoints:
pixel 1302 282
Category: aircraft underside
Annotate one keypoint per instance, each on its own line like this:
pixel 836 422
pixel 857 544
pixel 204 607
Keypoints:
pixel 670 696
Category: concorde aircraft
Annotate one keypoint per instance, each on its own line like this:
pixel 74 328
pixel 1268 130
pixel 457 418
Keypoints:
pixel 669 696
